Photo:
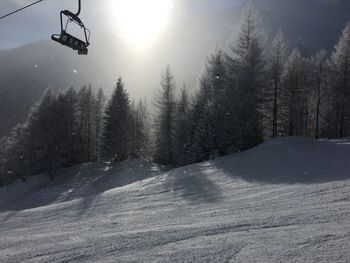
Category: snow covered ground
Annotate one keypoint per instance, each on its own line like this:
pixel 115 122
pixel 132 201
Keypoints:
pixel 287 200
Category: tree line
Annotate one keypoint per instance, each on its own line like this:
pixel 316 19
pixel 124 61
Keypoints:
pixel 247 94
pixel 72 127
pixel 252 93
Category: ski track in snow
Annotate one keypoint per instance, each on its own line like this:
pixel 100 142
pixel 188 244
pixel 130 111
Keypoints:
pixel 199 213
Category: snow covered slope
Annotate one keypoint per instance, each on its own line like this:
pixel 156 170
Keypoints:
pixel 287 200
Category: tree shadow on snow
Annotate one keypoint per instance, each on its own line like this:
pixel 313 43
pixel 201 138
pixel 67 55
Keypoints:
pixel 192 184
pixel 85 181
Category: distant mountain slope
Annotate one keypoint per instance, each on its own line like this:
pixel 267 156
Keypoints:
pixel 25 72
pixel 284 201
pixel 309 25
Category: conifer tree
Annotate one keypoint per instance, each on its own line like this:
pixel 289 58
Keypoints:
pixel 46 141
pixel 246 79
pixel 41 137
pixel 116 121
pixel 99 114
pixel 210 134
pixel 139 131
pixel 182 131
pixel 70 113
pixel 14 165
pixel 277 60
pixel 340 81
pixel 86 123
pixel 319 83
pixel 295 96
pixel 65 117
pixel 164 123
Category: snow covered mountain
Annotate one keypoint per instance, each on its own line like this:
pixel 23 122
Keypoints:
pixel 284 201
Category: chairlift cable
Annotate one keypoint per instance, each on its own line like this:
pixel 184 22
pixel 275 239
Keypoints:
pixel 20 9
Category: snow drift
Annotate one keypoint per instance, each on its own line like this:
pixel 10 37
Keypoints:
pixel 292 160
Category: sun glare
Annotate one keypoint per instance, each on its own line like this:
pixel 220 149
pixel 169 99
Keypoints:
pixel 141 21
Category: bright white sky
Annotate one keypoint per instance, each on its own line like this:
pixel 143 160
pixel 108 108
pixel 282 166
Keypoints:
pixel 140 22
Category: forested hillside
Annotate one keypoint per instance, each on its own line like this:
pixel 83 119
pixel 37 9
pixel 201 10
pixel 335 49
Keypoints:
pixel 246 95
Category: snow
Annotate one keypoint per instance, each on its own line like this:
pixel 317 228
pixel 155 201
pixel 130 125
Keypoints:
pixel 287 200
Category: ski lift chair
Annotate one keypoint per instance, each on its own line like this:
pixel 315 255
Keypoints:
pixel 67 39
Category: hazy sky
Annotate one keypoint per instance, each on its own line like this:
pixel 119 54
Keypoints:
pixel 40 21
pixel 182 43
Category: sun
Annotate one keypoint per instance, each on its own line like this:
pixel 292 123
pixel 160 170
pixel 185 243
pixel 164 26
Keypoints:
pixel 141 21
